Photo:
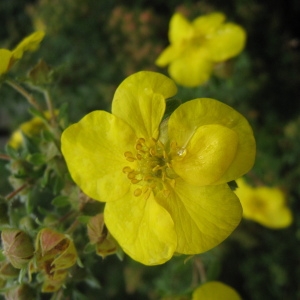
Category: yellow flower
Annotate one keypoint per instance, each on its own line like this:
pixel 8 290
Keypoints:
pixel 215 290
pixel 30 128
pixel 196 46
pixel 30 43
pixel 165 186
pixel 265 205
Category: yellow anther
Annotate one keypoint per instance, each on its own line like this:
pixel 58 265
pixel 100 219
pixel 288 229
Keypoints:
pixel 127 169
pixel 135 181
pixel 141 141
pixel 129 156
pixel 138 146
pixel 137 192
pixel 131 175
pixel 139 156
pixel 152 152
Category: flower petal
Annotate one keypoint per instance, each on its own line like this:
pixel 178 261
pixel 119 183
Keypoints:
pixel 226 42
pixel 30 43
pixel 192 68
pixel 207 24
pixel 265 205
pixel 180 29
pixel 213 290
pixel 5 56
pixel 207 156
pixel 203 216
pixel 189 116
pixel 94 151
pixel 140 101
pixel 143 228
pixel 168 55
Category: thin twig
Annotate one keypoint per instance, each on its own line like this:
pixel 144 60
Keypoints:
pixel 25 94
pixel 17 191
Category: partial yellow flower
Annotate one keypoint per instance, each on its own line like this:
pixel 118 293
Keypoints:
pixel 30 128
pixel 195 47
pixel 265 205
pixel 165 187
pixel 215 290
pixel 30 43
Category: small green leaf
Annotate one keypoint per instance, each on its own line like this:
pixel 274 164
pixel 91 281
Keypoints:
pixel 60 201
pixel 36 159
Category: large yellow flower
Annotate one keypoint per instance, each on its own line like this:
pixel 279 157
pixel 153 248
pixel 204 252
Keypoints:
pixel 30 43
pixel 265 205
pixel 196 46
pixel 215 290
pixel 164 184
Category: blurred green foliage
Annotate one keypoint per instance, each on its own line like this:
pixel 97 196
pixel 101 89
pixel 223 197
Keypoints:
pixel 92 46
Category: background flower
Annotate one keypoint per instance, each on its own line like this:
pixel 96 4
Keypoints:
pixel 196 46
pixel 214 290
pixel 265 205
pixel 30 43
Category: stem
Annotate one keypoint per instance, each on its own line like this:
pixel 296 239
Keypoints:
pixel 50 107
pixel 17 191
pixel 199 268
pixel 25 94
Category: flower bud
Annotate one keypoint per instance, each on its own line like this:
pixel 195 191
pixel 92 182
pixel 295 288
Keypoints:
pixel 7 270
pixel 55 254
pixel 99 236
pixel 22 292
pixel 17 247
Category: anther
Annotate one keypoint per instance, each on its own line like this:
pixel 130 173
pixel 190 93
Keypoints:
pixel 127 169
pixel 152 152
pixel 131 175
pixel 135 181
pixel 137 192
pixel 129 156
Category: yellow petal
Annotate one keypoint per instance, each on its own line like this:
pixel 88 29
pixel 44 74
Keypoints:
pixel 30 43
pixel 203 216
pixel 168 55
pixel 226 42
pixel 189 116
pixel 180 29
pixel 264 205
pixel 94 151
pixel 207 156
pixel 143 228
pixel 140 101
pixel 215 290
pixel 5 58
pixel 207 24
pixel 192 68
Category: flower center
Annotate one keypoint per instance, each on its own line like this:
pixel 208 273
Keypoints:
pixel 153 172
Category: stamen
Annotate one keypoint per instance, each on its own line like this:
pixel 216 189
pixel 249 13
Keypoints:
pixel 127 169
pixel 129 156
pixel 135 181
pixel 152 152
pixel 131 175
pixel 137 192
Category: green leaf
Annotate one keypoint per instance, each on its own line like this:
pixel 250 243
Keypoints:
pixel 10 151
pixel 36 159
pixel 61 201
